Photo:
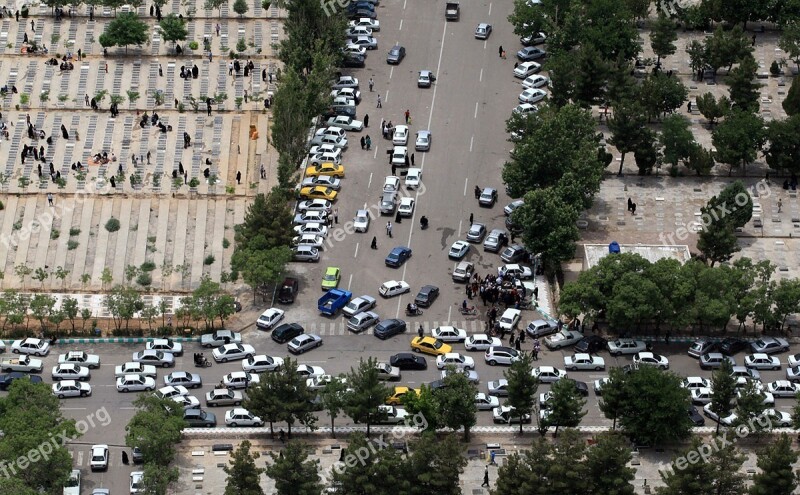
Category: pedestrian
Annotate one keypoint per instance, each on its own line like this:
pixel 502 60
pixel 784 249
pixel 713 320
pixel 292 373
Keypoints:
pixel 477 192
pixel 754 36
pixel 536 349
pixel 394 169
pixel 536 293
pixel 521 338
pixel 218 28
pixel 780 204
pixel 148 158
pixel 408 116
pixel 633 209
pixel 369 142
pixel 336 215
pixel 160 71
pixel 517 344
pixel 503 55
pixel 689 107
pixel 363 143
pixel 263 172
pixel 49 198
pixel 281 436
pixel 500 51
pixel 486 474
pixel 86 100
pixel 412 159
pixel 398 218
pixel 79 53
pixel 471 218
pixel 33 28
pixel 366 120
pixel 630 204
pixel 511 340
pixel 125 459
pixel 421 331
pixel 371 84
pixel 239 177
pixel 245 96
pixel 389 229
pixel 230 68
pixel 379 102
pixel 106 67
pixel 374 244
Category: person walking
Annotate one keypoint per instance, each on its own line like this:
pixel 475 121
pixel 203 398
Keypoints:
pixel 369 142
pixel 477 192
pixel 471 218
pixel 363 143
pixel 500 51
pixel 408 116
pixel 412 159
pixel 106 67
pixel 421 331
pixel 389 229
pixel 780 204
pixel 371 84
pixel 379 102
pixel 374 244
pixel 49 198
pixel 536 349
pixel 485 477
pixel 366 120
pixel 336 215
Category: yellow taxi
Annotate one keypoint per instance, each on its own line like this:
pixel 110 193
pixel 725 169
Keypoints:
pixel 396 399
pixel 429 345
pixel 325 168
pixel 318 192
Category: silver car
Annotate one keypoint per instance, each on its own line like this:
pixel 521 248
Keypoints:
pixel 220 337
pixel 305 253
pixel 188 380
pixel 359 304
pixel 361 221
pixel 496 239
pixel 362 321
pixel 304 342
pixel 425 79
pixel 368 42
pixel 423 141
pixel 476 233
pixel 223 397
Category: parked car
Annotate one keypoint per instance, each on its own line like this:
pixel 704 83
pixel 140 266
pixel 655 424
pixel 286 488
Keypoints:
pixel 242 417
pixel 541 328
pixel 165 345
pixel 220 337
pixel 135 383
pixel 198 418
pixel 591 344
pixel 223 397
pixel 770 345
pixel 81 358
pixel 626 346
pixel 358 305
pixel 362 321
pixel 732 345
pixel 233 352
pixel 389 328
pixel 700 347
pixel 286 332
pixel 304 343
pixel 713 360
pixel 261 362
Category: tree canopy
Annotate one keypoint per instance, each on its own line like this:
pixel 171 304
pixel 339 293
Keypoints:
pixel 125 29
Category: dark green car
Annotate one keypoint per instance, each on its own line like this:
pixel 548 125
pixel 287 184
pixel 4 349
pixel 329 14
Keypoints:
pixel 198 418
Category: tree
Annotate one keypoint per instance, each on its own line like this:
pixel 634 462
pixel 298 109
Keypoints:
pixel 125 29
pixel 333 400
pixel 701 160
pixel 61 274
pixel 264 398
pixel 776 462
pixel 526 472
pixel 612 402
pixel 424 404
pixel 723 391
pixel 785 296
pixel 259 268
pixel 712 109
pixel 368 392
pixel 738 139
pixel 294 473
pixel 243 475
pixel 565 406
pixel 646 155
pixel 744 92
pixel 677 139
pixel 607 466
pixel 41 275
pixel 790 39
pixel 725 48
pixel 782 150
pixel 634 301
pixel 718 472
pixel 698 55
pixel 717 242
pixel 660 94
pixel 522 386
pixel 722 215
pixel 735 194
pixel 654 410
pixel 663 35
pixel 750 405
pixel 457 407
pixel 435 465
pixel 382 471
pixel 123 303
pixel 173 28
pixel 791 104
pixel 626 127
pixel 69 305
pixel 215 4
pixel 240 7
pixel 42 306
pixel 155 428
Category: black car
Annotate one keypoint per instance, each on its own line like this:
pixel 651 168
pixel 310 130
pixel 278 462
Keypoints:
pixel 199 418
pixel 389 328
pixel 408 361
pixel 354 60
pixel 7 380
pixel 361 13
pixel 436 385
pixel 289 289
pixel 396 55
pixel 286 332
pixel 591 344
pixel 426 295
pixel 583 388
pixel 354 7
pixel 696 418
pixel 732 345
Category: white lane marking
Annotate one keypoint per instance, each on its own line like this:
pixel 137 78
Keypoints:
pixel 391 71
pixel 350 281
pixel 485 42
pixel 466 181
pixel 490 8
pixel 480 76
pixel 370 180
pixel 459 227
pixel 355 255
pixel 449 312
pixel 470 142
pixel 475 115
pixel 127 408
pixel 401 20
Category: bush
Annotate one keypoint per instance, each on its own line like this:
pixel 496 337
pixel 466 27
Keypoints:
pixel 144 279
pixel 74 231
pixel 209 260
pixel 2 206
pixel 71 245
pixel 225 243
pixel 54 234
pixel 112 225
pixel 193 45
pixel 148 266
pixel 775 68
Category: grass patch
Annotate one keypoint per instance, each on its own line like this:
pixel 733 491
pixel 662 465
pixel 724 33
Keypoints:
pixel 209 260
pixel 112 225
pixel 71 245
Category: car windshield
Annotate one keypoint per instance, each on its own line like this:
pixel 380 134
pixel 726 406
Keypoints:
pixel 330 276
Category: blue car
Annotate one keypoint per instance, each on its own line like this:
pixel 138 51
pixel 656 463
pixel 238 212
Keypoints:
pixel 361 6
pixel 398 256
pixel 389 328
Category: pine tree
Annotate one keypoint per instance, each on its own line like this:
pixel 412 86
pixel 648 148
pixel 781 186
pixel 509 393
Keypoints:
pixel 243 475
pixel 777 476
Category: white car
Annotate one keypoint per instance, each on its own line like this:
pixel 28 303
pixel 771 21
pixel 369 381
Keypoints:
pixel 306 370
pixel 525 69
pixel 701 396
pixel 312 229
pixel 363 320
pixel 241 417
pixel 406 207
pixel 532 95
pixel 584 362
pixel 99 458
pixel 183 378
pixel 485 402
pixel 783 388
pixel 498 388
pixel 346 81
pixel 132 368
pixel 535 81
pixel 599 384
pixel 346 122
pixel 694 382
pixel 626 346
pixel 219 337
pixel 373 24
pixel 261 363
pixel 71 388
pixel 223 397
pixel 326 156
pixel 359 304
pixel 69 371
pixel 356 31
pixel 779 419
pixel 509 319
pixel 400 136
pixel 165 345
pixel 135 383
pixel 769 399
pixel 316 383
pixel 391 183
pixel 793 360
pixel 361 221
pixel 170 391
pixel 525 108
pixel 137 482
pixel 311 240
pixel 563 338
pixel 458 250
pixel 36 347
pixel 387 372
pixel 650 359
pixel 423 141
pixel 761 361
pixel 506 414
pixel 399 156
pixel 239 379
pixel 91 361
pixel 516 270
pixel 548 374
pixel 413 177
pixel 393 288
pixel 322 180
pixel 232 352
pixel 367 42
pixel 449 334
pixel 459 361
pixel 318 206
pixel 303 343
pixel 481 342
pixel 349 93
pixel 392 415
